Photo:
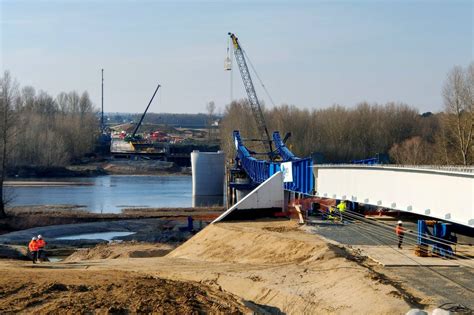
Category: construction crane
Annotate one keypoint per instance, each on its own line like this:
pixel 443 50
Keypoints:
pixel 252 95
pixel 133 137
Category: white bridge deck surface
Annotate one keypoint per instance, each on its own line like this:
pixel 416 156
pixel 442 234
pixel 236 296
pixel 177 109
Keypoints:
pixel 445 193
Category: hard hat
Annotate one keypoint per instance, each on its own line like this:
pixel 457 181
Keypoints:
pixel 40 237
pixel 399 222
pixel 34 238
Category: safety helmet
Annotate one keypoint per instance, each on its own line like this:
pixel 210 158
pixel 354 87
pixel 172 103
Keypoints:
pixel 40 237
pixel 34 238
pixel 400 222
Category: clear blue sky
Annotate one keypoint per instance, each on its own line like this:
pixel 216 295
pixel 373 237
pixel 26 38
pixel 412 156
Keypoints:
pixel 308 53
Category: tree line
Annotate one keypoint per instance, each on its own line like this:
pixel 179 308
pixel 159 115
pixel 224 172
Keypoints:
pixel 37 129
pixel 46 130
pixel 342 134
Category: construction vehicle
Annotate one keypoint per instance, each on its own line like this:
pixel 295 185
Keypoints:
pixel 134 139
pixel 252 95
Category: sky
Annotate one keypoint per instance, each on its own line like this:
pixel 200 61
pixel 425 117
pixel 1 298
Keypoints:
pixel 311 54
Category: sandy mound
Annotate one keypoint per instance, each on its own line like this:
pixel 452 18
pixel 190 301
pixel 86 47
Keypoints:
pixel 228 242
pixel 108 292
pixel 121 250
pixel 277 265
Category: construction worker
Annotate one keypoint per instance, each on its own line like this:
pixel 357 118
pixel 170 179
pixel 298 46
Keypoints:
pixel 341 207
pixel 400 231
pixel 331 213
pixel 40 244
pixel 33 248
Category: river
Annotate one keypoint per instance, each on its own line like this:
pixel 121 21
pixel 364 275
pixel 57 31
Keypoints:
pixel 111 194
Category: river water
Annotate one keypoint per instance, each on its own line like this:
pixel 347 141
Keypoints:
pixel 111 194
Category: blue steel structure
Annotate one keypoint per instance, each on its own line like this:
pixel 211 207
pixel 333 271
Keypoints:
pixel 380 158
pixel 284 152
pixel 371 161
pixel 260 170
pixel 441 238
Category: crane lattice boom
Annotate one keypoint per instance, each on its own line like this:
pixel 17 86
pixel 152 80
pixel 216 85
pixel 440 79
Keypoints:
pixel 252 95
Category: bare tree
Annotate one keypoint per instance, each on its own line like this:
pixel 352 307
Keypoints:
pixel 8 95
pixel 413 151
pixel 458 93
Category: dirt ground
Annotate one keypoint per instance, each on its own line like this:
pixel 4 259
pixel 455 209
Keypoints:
pixel 121 250
pixel 57 291
pixel 272 265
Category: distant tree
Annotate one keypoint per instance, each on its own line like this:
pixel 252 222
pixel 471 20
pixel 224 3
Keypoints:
pixel 458 93
pixel 8 96
pixel 413 151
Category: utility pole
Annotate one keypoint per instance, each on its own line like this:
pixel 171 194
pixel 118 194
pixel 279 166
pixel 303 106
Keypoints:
pixel 102 127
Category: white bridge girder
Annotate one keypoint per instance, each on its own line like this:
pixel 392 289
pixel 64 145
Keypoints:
pixel 446 194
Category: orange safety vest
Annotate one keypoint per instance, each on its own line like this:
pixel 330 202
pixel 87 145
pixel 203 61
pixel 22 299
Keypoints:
pixel 33 246
pixel 399 230
pixel 40 243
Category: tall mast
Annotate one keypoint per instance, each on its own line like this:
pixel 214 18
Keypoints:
pixel 102 127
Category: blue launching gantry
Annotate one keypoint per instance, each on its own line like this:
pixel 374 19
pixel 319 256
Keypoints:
pixel 249 172
pixel 260 170
pixel 440 238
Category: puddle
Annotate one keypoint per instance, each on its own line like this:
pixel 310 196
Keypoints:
pixel 55 259
pixel 107 236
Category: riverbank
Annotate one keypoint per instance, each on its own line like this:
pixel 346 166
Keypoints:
pixel 26 217
pixel 100 168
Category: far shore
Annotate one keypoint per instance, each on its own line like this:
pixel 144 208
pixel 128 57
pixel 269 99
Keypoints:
pixel 44 183
pixel 18 176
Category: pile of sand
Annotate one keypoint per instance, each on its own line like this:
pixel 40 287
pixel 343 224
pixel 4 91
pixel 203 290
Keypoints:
pixel 121 250
pixel 230 242
pixel 278 265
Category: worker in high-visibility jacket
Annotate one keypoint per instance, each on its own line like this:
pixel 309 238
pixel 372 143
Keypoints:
pixel 33 249
pixel 341 207
pixel 40 244
pixel 400 231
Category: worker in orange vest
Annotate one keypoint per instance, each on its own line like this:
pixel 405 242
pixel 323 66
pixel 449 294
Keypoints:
pixel 40 244
pixel 33 248
pixel 400 231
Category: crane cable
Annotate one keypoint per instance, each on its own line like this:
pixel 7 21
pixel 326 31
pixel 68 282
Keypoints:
pixel 258 77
